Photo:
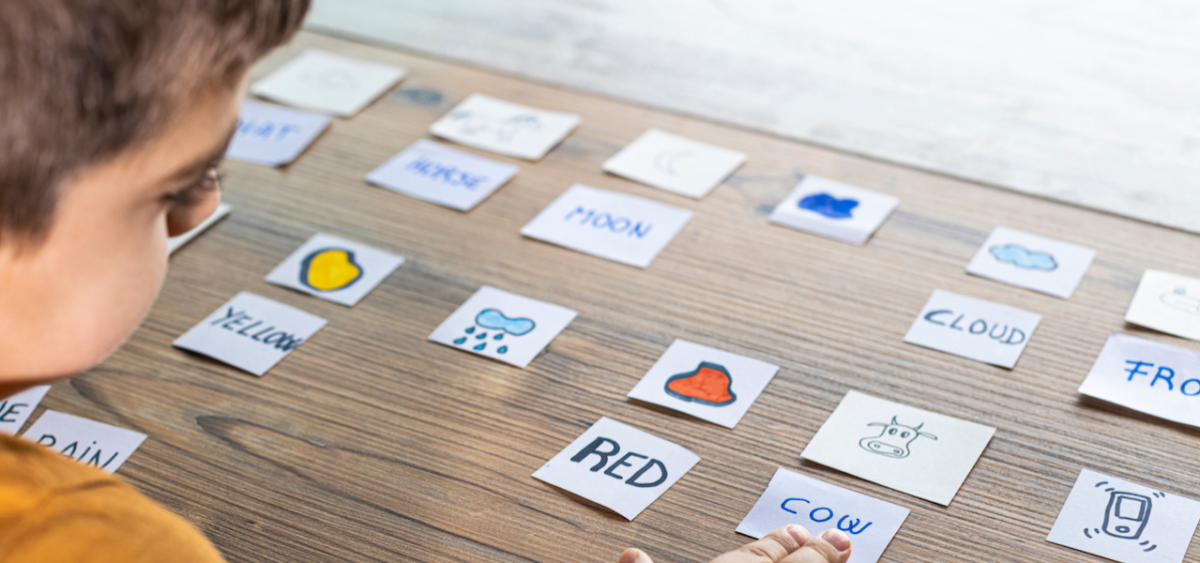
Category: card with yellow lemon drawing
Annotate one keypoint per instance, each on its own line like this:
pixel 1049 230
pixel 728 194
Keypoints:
pixel 335 269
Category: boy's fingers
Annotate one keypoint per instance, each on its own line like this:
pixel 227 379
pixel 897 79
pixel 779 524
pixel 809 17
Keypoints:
pixel 632 555
pixel 772 548
pixel 832 546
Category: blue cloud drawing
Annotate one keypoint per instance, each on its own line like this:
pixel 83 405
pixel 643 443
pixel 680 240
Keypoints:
pixel 1022 257
pixel 829 206
pixel 495 320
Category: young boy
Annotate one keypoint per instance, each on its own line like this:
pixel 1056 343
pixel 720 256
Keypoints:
pixel 113 117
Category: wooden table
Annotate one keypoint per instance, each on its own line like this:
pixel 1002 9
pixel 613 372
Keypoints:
pixel 370 443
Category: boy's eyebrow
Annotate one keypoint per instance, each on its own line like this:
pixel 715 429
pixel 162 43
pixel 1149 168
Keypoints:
pixel 200 165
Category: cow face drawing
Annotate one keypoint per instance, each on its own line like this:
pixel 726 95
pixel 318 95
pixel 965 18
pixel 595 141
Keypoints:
pixel 894 440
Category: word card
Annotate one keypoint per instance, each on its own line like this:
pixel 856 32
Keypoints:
pixel 1124 521
pixel 251 333
pixel 832 209
pixel 1032 262
pixel 792 498
pixel 15 410
pixel 176 242
pixel 1167 303
pixel 442 175
pixel 321 81
pixel 618 466
pixel 705 382
pixel 972 328
pixel 622 228
pixel 1147 376
pixel 335 269
pixel 921 453
pixel 273 135
pixel 86 441
pixel 503 326
pixel 505 128
pixel 675 164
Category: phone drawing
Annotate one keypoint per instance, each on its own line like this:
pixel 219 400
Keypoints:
pixel 1126 515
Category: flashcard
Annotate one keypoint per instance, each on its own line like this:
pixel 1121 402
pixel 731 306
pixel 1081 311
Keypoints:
pixel 442 175
pixel 15 410
pixel 335 269
pixel 86 441
pixel 622 228
pixel 1124 521
pixel 835 210
pixel 705 382
pixel 792 498
pixel 676 164
pixel 1167 303
pixel 917 452
pixel 251 333
pixel 618 466
pixel 176 242
pixel 972 328
pixel 321 81
pixel 1147 376
pixel 503 326
pixel 1032 262
pixel 505 128
pixel 273 135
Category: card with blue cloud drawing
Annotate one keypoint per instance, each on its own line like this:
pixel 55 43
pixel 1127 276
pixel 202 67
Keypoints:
pixel 1032 261
pixel 835 210
pixel 503 326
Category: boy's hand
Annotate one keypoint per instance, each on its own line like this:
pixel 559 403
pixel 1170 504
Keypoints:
pixel 789 544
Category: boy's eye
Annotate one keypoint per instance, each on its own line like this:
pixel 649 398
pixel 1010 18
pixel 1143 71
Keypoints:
pixel 196 191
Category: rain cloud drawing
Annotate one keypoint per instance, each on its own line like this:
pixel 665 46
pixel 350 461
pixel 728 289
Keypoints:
pixel 494 320
pixel 894 440
pixel 1023 258
pixel 708 384
pixel 1126 516
pixel 829 206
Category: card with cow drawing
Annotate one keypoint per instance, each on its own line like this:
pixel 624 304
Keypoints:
pixel 792 498
pixel 924 454
pixel 89 442
pixel 503 326
pixel 973 328
pixel 1032 261
pixel 618 467
pixel 832 209
pixel 321 81
pixel 251 333
pixel 675 164
pixel 1167 302
pixel 705 382
pixel 442 175
pixel 335 269
pixel 505 128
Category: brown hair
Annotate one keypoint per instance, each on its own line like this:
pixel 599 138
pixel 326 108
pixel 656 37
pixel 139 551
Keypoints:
pixel 83 80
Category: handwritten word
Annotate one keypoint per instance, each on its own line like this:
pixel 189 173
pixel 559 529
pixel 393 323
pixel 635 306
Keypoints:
pixel 70 449
pixel 1004 335
pixel 447 173
pixel 606 221
pixel 594 449
pixel 282 340
pixel 8 410
pixel 1164 374
pixel 845 523
pixel 266 130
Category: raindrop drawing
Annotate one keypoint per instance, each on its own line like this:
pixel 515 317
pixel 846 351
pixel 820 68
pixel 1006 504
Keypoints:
pixel 1024 258
pixel 1126 516
pixel 894 440
pixel 476 335
pixel 1180 300
pixel 708 384
pixel 829 206
pixel 665 161
pixel 505 130
pixel 330 269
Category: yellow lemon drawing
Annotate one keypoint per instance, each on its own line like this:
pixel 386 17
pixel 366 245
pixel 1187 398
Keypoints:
pixel 330 269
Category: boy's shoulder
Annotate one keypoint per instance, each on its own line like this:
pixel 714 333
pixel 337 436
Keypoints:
pixel 56 509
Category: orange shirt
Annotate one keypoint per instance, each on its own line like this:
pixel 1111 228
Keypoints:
pixel 55 510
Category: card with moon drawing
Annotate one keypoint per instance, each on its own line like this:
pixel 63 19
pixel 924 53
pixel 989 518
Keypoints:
pixel 675 164
pixel 335 269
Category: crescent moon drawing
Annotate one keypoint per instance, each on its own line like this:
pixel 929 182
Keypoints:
pixel 665 160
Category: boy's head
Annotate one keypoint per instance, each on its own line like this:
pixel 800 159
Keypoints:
pixel 113 114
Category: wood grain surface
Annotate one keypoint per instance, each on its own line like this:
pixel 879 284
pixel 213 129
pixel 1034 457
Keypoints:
pixel 370 443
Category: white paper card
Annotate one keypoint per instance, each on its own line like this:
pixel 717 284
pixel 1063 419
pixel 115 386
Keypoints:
pixel 320 81
pixel 622 228
pixel 792 498
pixel 176 242
pixel 1147 376
pixel 705 382
pixel 835 210
pixel 86 441
pixel 503 326
pixel 972 328
pixel 251 333
pixel 1032 261
pixel 273 135
pixel 505 128
pixel 15 410
pixel 618 466
pixel 1168 303
pixel 335 269
pixel 676 164
pixel 442 175
pixel 921 453
pixel 1124 521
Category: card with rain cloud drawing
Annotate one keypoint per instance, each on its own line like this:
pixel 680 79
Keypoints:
pixel 1032 261
pixel 505 128
pixel 503 326
pixel 675 164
